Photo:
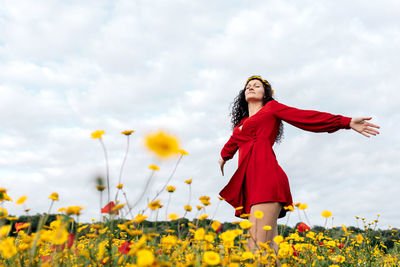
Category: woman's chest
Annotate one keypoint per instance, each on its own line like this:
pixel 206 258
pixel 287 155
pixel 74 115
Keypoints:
pixel 257 122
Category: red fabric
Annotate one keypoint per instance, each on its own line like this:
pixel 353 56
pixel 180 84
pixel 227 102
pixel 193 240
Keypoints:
pixel 259 178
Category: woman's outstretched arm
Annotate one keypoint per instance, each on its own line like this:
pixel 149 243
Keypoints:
pixel 317 121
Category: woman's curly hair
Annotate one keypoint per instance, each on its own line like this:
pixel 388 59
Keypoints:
pixel 240 107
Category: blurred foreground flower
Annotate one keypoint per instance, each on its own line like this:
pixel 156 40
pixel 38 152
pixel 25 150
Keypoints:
pixel 3 195
pixel 211 258
pixel 97 134
pixel 162 144
pixel 3 213
pixel 258 214
pixel 20 225
pixel 154 167
pixel 21 200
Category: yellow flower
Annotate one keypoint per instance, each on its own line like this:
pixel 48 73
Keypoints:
pixel 170 188
pixel 54 196
pixel 100 187
pixel 74 210
pixel 359 238
pixel 173 216
pixel 202 217
pixel 326 214
pixel 245 215
pixel 258 214
pixel 3 195
pixel 120 186
pixel 154 167
pixel 128 132
pixel 118 207
pixel 338 258
pixel 245 224
pixel 199 234
pixel 215 225
pixel 8 248
pixel 205 200
pixel 59 236
pixel 4 230
pixel 97 134
pixel 228 236
pixel 12 218
pixel 144 257
pixel 289 208
pixel 211 258
pixel 239 208
pixel 344 229
pixel 3 213
pixel 189 181
pixel 21 200
pixel 162 144
pixel 247 255
pixel 278 239
pixel 188 208
pixel 267 228
pixel 183 152
pixel 199 207
pixel 303 206
pixel 140 218
pixel 154 205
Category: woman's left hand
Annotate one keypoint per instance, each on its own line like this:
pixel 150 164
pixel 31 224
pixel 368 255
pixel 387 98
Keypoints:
pixel 360 125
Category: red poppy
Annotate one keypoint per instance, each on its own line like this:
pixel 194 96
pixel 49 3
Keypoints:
pixel 220 229
pixel 124 248
pixel 340 245
pixel 18 226
pixel 302 227
pixel 295 253
pixel 108 208
pixel 70 241
pixel 45 258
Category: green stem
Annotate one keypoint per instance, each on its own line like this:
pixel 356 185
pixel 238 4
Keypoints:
pixel 107 169
pixel 122 166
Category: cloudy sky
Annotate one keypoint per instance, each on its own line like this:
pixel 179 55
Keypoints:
pixel 68 68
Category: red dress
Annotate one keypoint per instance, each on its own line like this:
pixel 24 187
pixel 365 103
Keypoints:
pixel 259 178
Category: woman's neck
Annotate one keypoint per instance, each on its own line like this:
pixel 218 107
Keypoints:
pixel 254 107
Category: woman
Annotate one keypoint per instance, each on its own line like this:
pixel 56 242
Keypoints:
pixel 259 183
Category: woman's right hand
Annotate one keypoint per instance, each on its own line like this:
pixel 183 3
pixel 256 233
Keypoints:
pixel 221 163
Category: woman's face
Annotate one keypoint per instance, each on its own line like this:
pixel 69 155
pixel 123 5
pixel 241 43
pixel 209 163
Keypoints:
pixel 254 91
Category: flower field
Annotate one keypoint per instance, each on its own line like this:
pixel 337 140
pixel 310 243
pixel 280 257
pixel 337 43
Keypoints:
pixel 122 238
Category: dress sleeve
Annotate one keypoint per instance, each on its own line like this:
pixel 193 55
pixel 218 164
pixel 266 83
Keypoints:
pixel 310 120
pixel 229 149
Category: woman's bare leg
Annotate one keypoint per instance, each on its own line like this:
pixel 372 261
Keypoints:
pixel 271 212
